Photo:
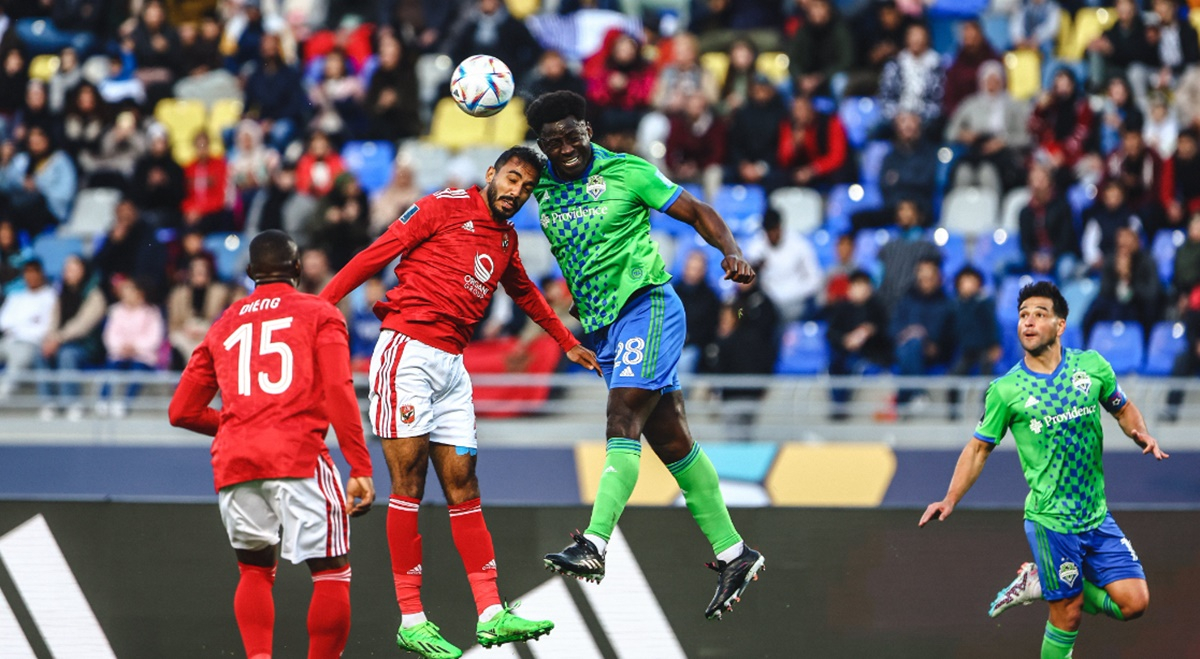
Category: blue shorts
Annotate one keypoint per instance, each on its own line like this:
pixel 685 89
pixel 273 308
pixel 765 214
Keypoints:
pixel 1101 556
pixel 641 348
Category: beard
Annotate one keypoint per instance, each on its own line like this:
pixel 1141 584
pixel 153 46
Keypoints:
pixel 496 210
pixel 1041 347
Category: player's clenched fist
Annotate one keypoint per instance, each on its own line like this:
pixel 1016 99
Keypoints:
pixel 362 489
pixel 737 269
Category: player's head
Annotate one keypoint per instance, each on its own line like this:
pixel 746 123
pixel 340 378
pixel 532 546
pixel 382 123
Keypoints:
pixel 510 181
pixel 560 121
pixel 274 257
pixel 1042 311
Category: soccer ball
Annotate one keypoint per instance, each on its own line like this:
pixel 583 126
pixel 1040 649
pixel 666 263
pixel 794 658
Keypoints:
pixel 481 85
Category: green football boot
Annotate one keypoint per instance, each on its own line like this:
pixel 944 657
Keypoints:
pixel 507 627
pixel 426 641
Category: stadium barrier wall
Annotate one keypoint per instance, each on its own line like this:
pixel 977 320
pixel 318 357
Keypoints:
pixel 100 580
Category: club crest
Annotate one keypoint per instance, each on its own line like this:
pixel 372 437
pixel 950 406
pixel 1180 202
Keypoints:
pixel 504 242
pixel 407 414
pixel 1081 381
pixel 596 186
pixel 1068 572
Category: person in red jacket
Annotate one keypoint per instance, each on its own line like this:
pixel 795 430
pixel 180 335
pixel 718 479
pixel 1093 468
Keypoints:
pixel 319 167
pixel 456 246
pixel 205 188
pixel 813 151
pixel 281 360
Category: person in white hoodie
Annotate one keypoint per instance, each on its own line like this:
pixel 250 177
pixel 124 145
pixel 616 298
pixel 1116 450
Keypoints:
pixel 790 273
pixel 25 322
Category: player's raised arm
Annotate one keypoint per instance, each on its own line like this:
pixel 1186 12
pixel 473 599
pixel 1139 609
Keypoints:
pixel 526 295
pixel 403 234
pixel 704 218
pixel 970 464
pixel 1130 418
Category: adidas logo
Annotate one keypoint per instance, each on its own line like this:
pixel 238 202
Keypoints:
pixel 1031 402
pixel 610 469
pixel 416 571
pixel 490 565
pixel 627 372
pixel 469 226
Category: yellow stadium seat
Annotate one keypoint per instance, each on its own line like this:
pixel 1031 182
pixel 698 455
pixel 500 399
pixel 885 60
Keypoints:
pixel 774 66
pixel 508 126
pixel 183 118
pixel 1064 33
pixel 454 129
pixel 523 8
pixel 43 67
pixel 1194 17
pixel 1089 24
pixel 1024 73
pixel 716 63
pixel 224 114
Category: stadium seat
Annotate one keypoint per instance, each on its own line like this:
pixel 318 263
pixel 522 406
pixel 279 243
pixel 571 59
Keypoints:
pixel 1065 32
pixel 526 219
pixel 995 28
pixel 1024 73
pixel 183 119
pixel 520 9
pixel 742 207
pixel 1079 294
pixel 994 252
pixel 800 208
pixel 871 161
pixel 846 200
pixel 716 276
pixel 92 214
pixel 1121 343
pixel 223 115
pixel 53 250
pixel 825 245
pixel 1163 250
pixel 1010 209
pixel 509 127
pixel 942 33
pixel 455 129
pixel 954 255
pixel 867 245
pixel 1088 25
pixel 970 211
pixel 1080 197
pixel 43 67
pixel 230 252
pixel 371 162
pixel 774 65
pixel 1007 294
pixel 433 71
pixel 717 64
pixel 1072 336
pixel 428 162
pixel 1167 341
pixel 859 116
pixel 535 253
pixel 803 349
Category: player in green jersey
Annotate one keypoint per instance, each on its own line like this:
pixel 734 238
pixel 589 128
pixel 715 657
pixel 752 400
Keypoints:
pixel 594 207
pixel 1051 401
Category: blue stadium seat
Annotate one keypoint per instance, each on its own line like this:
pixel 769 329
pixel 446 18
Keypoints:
pixel 229 250
pixel 954 256
pixel 1080 197
pixel 52 250
pixel 846 200
pixel 526 219
pixel 995 28
pixel 867 245
pixel 1079 294
pixel 1167 340
pixel 871 161
pixel 716 276
pixel 803 350
pixel 825 243
pixel 1163 249
pixel 742 207
pixel 994 252
pixel 371 162
pixel 1072 336
pixel 859 116
pixel 1123 344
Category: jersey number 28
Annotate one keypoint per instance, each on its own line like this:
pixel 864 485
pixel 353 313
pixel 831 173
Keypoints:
pixel 243 338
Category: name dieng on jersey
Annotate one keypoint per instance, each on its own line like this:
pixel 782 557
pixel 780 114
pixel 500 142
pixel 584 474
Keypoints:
pixel 260 305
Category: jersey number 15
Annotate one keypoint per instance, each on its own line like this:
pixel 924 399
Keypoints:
pixel 243 337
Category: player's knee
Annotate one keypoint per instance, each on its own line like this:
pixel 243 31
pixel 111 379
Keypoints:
pixel 1134 606
pixel 460 489
pixel 624 423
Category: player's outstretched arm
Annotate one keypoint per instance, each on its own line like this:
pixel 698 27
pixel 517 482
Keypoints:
pixel 1130 418
pixel 970 464
pixel 705 220
pixel 341 408
pixel 362 267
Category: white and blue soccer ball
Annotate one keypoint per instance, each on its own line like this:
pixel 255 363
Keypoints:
pixel 481 85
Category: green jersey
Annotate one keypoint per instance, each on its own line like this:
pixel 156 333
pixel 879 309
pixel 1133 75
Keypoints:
pixel 1055 421
pixel 599 231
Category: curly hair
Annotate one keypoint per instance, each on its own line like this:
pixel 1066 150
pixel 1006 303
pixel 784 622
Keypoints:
pixel 555 106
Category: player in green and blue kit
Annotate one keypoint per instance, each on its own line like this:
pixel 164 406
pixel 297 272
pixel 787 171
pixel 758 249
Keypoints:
pixel 595 211
pixel 1051 401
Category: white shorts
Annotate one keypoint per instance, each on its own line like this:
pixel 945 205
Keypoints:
pixel 417 389
pixel 310 510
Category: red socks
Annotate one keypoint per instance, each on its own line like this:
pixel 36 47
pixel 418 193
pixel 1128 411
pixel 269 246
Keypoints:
pixel 329 614
pixel 254 608
pixel 474 544
pixel 404 543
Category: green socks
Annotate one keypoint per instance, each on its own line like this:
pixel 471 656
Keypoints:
pixel 1057 644
pixel 1096 600
pixel 701 488
pixel 621 461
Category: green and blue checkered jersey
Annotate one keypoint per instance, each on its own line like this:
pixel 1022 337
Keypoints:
pixel 1055 421
pixel 599 231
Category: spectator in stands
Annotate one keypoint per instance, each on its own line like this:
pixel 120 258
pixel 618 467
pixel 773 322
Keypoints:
pixel 13 257
pixel 1047 228
pixel 837 275
pixel 963 76
pixel 683 77
pixel 747 344
pixel 206 181
pixel 64 80
pixel 73 341
pixel 913 81
pixel 821 51
pixel 192 307
pixel 275 94
pixel 1123 49
pixel 113 162
pixel 702 308
pixel 990 125
pixel 186 248
pixel 24 321
pixel 319 167
pixel 922 327
pixel 199 47
pixel 250 162
pixel 1187 98
pixel 1129 286
pixel 39 183
pixel 14 78
pixel 130 249
pixel 879 36
pixel 1186 273
pixel 696 143
pixel 36 112
pixel 723 20
pixel 976 328
pixel 84 121
pixel 364 325
pixel 1035 26
pixel 280 206
pixel 337 99
pixel 743 58
pixel 1161 131
pixel 619 84
pixel 1102 221
pixel 133 335
pixel 908 173
pixel 342 220
pixel 1187 363
pixel 1119 110
pixel 395 197
pixel 754 135
pixel 315 272
pixel 857 335
pixel 487 28
pixel 899 258
pixel 1183 177
pixel 120 83
pixel 157 185
pixel 1061 123
pixel 392 104
pixel 1175 42
pixel 1140 171
pixel 553 74
pixel 813 149
pixel 789 271
pixel 156 49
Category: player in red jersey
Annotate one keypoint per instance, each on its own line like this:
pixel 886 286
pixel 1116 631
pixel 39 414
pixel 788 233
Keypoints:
pixel 457 246
pixel 281 360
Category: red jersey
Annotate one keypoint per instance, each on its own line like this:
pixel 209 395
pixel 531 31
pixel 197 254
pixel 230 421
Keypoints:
pixel 280 359
pixel 454 254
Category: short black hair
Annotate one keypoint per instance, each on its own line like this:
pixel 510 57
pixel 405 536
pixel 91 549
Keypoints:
pixel 272 254
pixel 968 271
pixel 1047 290
pixel 935 261
pixel 771 219
pixel 861 275
pixel 525 155
pixel 553 107
pixel 33 264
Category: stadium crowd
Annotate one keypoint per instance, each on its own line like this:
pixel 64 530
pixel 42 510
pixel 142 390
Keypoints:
pixel 895 169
